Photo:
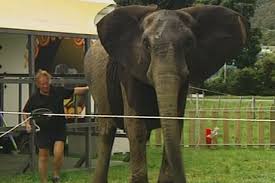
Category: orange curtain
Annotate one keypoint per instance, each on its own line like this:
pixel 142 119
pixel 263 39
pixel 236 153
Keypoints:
pixel 79 42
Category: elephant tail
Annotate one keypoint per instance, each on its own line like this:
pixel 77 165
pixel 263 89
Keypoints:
pixel 114 91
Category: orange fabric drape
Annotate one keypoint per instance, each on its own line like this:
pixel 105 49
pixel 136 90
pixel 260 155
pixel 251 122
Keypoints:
pixel 79 42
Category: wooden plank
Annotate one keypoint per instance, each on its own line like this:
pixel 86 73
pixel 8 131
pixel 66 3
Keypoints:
pixel 225 126
pixel 272 125
pixel 214 114
pixel 192 126
pixel 249 127
pixel 238 128
pixel 261 125
pixel 202 128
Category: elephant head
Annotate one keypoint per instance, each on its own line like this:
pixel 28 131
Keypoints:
pixel 167 49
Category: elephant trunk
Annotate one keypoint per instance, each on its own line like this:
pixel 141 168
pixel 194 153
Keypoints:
pixel 167 90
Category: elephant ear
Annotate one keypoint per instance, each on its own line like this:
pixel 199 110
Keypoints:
pixel 220 33
pixel 118 30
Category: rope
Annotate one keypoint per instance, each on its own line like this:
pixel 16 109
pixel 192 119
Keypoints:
pixel 146 117
pixel 16 126
pixel 229 110
pixel 211 91
pixel 122 116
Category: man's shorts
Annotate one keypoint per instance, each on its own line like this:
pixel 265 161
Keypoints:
pixel 46 138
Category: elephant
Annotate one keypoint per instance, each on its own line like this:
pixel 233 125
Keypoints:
pixel 142 65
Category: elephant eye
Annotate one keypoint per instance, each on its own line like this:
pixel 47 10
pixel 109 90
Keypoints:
pixel 188 43
pixel 146 44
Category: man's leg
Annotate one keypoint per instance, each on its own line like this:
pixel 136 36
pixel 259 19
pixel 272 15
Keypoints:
pixel 58 153
pixel 43 157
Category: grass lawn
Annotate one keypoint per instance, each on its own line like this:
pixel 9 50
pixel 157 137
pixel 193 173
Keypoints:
pixel 202 166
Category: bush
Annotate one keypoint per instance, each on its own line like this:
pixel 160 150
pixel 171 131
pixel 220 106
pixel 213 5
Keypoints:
pixel 256 80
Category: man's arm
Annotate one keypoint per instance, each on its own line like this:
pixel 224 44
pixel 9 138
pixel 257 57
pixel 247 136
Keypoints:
pixel 27 124
pixel 81 90
pixel 27 108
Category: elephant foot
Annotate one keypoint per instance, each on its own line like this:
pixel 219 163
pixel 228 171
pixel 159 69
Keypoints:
pixel 139 180
pixel 99 182
pixel 165 179
pixel 96 180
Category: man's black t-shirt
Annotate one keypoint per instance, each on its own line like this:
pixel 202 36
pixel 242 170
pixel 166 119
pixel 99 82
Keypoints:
pixel 54 102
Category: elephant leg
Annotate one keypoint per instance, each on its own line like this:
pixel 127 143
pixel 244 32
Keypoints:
pixel 137 134
pixel 106 140
pixel 166 174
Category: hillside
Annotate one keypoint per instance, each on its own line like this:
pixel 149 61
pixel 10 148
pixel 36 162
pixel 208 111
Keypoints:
pixel 264 19
pixel 265 14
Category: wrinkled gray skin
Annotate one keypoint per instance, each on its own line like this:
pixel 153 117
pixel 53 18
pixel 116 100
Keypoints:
pixel 143 64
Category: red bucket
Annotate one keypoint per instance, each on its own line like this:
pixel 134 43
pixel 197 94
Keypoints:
pixel 208 138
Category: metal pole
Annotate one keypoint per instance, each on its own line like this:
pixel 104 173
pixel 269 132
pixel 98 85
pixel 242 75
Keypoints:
pixel 75 110
pixel 88 96
pixel 272 125
pixel 197 105
pixel 19 101
pixel 89 140
pixel 87 44
pixel 198 121
pixel 1 100
pixel 88 147
pixel 224 73
pixel 31 59
pixel 241 98
pixel 253 107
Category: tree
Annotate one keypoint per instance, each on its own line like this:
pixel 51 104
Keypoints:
pixel 265 73
pixel 164 4
pixel 243 82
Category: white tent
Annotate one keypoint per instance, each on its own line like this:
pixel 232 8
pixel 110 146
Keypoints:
pixel 28 18
pixel 50 17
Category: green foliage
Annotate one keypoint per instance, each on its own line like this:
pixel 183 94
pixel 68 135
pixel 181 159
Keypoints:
pixel 265 69
pixel 265 14
pixel 257 80
pixel 248 55
pixel 264 19
pixel 245 7
pixel 215 84
pixel 268 37
pixel 243 82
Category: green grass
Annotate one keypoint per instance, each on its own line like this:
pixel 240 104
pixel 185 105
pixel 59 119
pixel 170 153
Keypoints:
pixel 201 165
pixel 230 165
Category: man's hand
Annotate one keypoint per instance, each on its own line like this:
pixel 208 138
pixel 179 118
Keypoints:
pixel 27 124
pixel 28 128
